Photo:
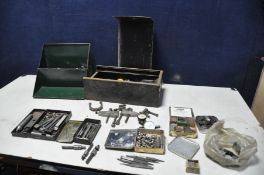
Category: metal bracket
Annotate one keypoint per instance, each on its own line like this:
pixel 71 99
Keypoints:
pixel 96 109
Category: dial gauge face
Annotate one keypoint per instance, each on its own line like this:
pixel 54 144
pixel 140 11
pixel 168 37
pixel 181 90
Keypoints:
pixel 149 125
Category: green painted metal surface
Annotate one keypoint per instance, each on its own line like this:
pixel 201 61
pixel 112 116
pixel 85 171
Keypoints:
pixel 65 56
pixel 60 92
pixel 62 68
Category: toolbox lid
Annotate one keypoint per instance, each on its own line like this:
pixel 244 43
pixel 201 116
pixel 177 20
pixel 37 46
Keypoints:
pixel 65 55
pixel 135 41
pixel 62 67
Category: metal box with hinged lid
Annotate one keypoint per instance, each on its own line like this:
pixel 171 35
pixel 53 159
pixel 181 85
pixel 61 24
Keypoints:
pixel 62 67
pixel 124 85
pixel 45 124
pixel 133 81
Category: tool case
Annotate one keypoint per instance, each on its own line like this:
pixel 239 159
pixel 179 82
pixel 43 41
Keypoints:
pixel 62 67
pixel 124 85
pixel 133 81
pixel 87 131
pixel 42 124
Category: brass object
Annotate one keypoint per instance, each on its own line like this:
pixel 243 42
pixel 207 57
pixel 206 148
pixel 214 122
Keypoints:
pixel 150 141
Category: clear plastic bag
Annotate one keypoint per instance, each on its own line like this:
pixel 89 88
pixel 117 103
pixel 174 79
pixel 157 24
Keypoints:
pixel 228 147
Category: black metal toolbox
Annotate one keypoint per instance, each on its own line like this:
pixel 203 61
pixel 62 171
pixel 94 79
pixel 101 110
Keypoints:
pixel 42 124
pixel 87 132
pixel 124 85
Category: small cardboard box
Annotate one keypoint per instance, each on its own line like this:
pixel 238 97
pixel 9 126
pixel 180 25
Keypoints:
pixel 182 122
pixel 62 67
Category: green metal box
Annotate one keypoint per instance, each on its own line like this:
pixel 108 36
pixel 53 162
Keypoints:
pixel 62 67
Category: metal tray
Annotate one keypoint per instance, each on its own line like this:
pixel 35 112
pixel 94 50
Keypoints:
pixel 183 147
pixel 123 139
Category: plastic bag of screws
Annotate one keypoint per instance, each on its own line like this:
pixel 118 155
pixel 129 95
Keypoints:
pixel 228 147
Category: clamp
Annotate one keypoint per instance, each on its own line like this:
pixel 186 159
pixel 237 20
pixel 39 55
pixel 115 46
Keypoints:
pixel 96 109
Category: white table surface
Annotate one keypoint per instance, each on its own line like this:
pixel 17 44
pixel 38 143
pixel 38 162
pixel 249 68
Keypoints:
pixel 16 102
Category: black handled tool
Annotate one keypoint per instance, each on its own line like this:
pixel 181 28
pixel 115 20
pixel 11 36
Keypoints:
pixel 85 154
pixel 147 112
pixel 93 153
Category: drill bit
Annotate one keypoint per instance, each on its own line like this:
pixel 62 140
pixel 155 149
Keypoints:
pixel 134 161
pixel 147 159
pixel 23 123
pixel 93 153
pixel 74 147
pixel 85 154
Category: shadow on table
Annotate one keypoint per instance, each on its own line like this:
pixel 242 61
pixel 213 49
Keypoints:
pixel 163 91
pixel 253 161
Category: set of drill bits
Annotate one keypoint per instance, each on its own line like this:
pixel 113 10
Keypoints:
pixel 42 124
pixel 138 161
pixel 87 131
